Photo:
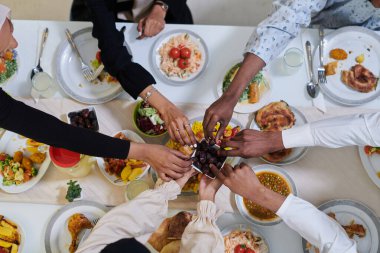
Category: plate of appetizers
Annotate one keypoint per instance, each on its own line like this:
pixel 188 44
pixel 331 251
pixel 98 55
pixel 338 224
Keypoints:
pixel 122 171
pixel 256 94
pixel 370 157
pixel 278 116
pixel 68 224
pixel 352 62
pixel 358 221
pixel 23 162
pixel 179 56
pixel 69 74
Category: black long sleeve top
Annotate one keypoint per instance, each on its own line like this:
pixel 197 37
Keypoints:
pixel 42 127
pixel 115 57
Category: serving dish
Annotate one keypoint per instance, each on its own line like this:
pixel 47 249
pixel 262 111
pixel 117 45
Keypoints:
pixel 239 200
pixel 11 142
pixel 136 114
pixel 57 235
pixel 113 178
pixel 181 79
pixel 12 235
pixel 347 211
pixel 70 77
pixel 355 40
pixel 245 106
pixel 371 164
pixel 85 118
pixel 296 153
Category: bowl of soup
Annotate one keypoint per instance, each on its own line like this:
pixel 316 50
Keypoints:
pixel 271 177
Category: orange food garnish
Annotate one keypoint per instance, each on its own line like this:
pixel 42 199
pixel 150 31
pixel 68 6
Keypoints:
pixel 338 54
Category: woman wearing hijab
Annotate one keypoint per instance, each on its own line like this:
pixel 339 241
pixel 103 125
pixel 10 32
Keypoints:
pixel 50 130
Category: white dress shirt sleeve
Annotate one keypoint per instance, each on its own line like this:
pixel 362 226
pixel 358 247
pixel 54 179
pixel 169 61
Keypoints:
pixel 358 129
pixel 202 234
pixel 274 33
pixel 315 226
pixel 138 217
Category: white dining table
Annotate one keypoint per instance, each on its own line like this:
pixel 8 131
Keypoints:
pixel 225 46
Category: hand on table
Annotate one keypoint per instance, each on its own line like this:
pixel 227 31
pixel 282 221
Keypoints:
pixel 178 126
pixel 251 143
pixel 220 111
pixel 208 188
pixel 152 24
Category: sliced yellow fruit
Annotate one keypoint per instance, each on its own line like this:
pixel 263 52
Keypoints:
pixel 126 172
pixel 8 232
pixel 5 244
pixel 359 59
pixel 135 173
pixel 14 248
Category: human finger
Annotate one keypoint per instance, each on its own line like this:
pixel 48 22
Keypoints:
pixel 176 133
pixel 219 175
pixel 180 155
pixel 222 127
pixel 227 170
pixel 183 133
pixel 164 177
pixel 190 133
pixel 230 144
pixel 232 152
pixel 209 128
pixel 174 174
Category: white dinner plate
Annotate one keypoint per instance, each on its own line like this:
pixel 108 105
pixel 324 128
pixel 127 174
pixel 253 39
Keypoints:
pixel 3 84
pixel 357 40
pixel 101 164
pixel 19 229
pixel 297 153
pixel 246 107
pixel 57 235
pixel 348 210
pixel 371 163
pixel 69 74
pixel 11 142
pixel 156 58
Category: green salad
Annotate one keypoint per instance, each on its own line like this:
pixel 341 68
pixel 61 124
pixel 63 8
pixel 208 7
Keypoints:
pixel 259 78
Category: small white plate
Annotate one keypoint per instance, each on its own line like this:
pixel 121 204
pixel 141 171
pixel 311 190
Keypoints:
pixel 243 209
pixel 57 235
pixel 348 210
pixel 11 142
pixel 156 58
pixel 70 76
pixel 358 40
pixel 371 163
pixel 297 153
pixel 246 107
pixel 246 227
pixel 101 164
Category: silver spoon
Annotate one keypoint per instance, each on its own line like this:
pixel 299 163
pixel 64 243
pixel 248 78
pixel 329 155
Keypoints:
pixel 38 68
pixel 311 87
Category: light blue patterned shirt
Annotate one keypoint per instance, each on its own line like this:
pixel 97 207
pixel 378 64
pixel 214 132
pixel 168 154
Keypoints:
pixel 274 33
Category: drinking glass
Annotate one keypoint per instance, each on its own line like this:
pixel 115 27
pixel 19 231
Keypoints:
pixel 292 60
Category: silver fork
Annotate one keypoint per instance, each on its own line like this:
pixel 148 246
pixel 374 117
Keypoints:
pixel 88 231
pixel 86 70
pixel 321 68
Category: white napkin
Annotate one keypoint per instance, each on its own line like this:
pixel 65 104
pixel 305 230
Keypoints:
pixel 319 102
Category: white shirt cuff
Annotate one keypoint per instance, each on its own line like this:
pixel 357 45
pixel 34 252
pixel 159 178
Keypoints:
pixel 298 136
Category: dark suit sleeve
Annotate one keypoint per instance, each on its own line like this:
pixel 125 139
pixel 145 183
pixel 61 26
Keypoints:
pixel 42 127
pixel 116 59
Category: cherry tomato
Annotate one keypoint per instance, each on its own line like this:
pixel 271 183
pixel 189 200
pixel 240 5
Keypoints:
pixel 248 250
pixel 174 53
pixel 241 248
pixel 98 57
pixel 185 53
pixel 367 150
pixel 183 63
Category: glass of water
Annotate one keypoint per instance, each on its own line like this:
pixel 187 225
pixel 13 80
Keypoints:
pixel 292 60
pixel 43 85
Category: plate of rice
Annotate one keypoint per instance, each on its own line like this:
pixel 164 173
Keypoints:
pixel 179 57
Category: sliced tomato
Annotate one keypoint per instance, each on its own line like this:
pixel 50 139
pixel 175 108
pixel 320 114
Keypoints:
pixel 3 157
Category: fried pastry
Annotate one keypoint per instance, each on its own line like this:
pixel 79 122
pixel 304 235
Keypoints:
pixel 276 116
